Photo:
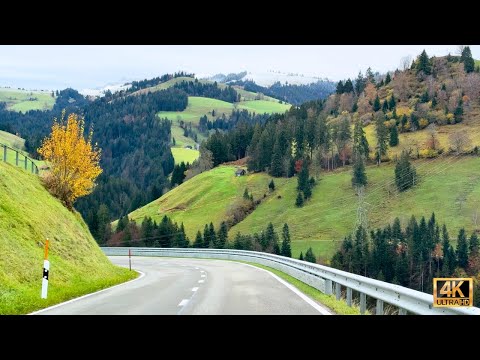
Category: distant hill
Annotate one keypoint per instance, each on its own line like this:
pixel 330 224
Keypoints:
pixel 25 100
pixel 29 215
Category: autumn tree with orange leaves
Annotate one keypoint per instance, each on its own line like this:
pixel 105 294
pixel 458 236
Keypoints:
pixel 73 160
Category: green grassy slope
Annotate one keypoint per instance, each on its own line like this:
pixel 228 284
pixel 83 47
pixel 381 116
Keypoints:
pixel 185 155
pixel 11 140
pixel 450 187
pixel 204 198
pixel 196 108
pixel 28 215
pixel 25 100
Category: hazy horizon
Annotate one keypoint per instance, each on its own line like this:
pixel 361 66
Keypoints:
pixel 93 66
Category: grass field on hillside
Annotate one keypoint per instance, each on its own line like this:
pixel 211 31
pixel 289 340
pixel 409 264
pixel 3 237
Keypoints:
pixel 11 140
pixel 264 106
pixel 29 215
pixel 450 187
pixel 205 198
pixel 197 107
pixel 185 155
pixel 25 100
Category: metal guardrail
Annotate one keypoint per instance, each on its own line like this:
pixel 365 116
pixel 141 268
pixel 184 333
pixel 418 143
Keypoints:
pixel 323 278
pixel 19 158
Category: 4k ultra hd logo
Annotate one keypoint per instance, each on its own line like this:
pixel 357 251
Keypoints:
pixel 452 292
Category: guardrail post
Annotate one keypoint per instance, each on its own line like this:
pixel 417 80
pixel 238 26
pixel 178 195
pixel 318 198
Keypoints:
pixel 16 158
pixel 338 290
pixel 402 311
pixel 25 163
pixel 379 307
pixel 5 153
pixel 363 303
pixel 349 296
pixel 328 287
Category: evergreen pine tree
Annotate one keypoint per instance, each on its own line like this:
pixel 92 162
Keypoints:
pixel 309 256
pixel 385 106
pixel 467 60
pixel 473 246
pixel 348 86
pixel 271 185
pixel 376 104
pixel 393 136
pixel 387 79
pixel 360 142
pixel 276 167
pixel 299 200
pixel 206 236
pixel 222 236
pixel 434 102
pixel 462 249
pixel 340 87
pixel 423 63
pixel 359 176
pixel 405 174
pixel 246 196
pixel 286 248
pixel 301 256
pixel 392 103
pixel 213 236
pixel 382 139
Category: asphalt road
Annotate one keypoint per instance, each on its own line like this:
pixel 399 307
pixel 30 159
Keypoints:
pixel 193 287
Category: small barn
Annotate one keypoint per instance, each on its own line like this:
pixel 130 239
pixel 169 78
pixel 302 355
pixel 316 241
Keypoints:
pixel 240 172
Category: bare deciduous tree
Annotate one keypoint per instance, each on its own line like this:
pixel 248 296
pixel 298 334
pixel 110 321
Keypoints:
pixel 459 140
pixel 460 49
pixel 432 140
pixel 405 62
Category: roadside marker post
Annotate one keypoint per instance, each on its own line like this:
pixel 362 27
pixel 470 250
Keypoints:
pixel 130 259
pixel 46 268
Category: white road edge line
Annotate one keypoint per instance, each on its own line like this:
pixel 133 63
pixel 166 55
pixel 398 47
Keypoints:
pixel 195 289
pixel 142 274
pixel 304 297
pixel 183 302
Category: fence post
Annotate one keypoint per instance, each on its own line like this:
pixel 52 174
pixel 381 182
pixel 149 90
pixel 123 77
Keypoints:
pixel 349 296
pixel 379 307
pixel 328 287
pixel 363 303
pixel 5 153
pixel 25 163
pixel 16 158
pixel 32 167
pixel 338 290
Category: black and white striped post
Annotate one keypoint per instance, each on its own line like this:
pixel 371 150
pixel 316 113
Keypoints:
pixel 46 268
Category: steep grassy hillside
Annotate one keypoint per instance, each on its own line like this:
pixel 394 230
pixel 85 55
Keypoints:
pixel 450 187
pixel 197 107
pixel 205 198
pixel 25 100
pixel 29 215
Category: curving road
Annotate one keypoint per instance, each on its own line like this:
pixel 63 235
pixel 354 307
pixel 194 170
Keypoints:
pixel 193 286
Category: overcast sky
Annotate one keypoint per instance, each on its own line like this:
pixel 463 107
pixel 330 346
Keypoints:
pixel 90 66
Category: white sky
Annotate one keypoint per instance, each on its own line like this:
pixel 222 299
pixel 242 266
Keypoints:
pixel 89 66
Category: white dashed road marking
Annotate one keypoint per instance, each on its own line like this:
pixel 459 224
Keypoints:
pixel 195 289
pixel 203 275
pixel 201 281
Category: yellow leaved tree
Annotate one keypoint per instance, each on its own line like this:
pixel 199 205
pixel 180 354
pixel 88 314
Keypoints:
pixel 73 160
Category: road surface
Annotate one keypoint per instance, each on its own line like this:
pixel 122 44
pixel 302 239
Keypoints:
pixel 171 286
